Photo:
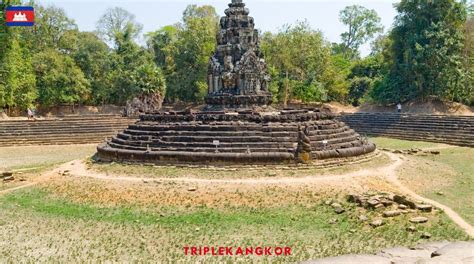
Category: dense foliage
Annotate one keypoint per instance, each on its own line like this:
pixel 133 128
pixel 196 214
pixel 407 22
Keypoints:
pixel 302 66
pixel 428 52
pixel 183 50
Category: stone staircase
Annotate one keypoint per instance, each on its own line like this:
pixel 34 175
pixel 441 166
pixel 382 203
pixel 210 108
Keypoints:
pixel 221 137
pixel 90 129
pixel 454 130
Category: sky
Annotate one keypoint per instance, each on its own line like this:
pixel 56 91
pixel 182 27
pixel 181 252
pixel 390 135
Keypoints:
pixel 269 15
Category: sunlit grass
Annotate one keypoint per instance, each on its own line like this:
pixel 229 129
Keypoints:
pixel 307 229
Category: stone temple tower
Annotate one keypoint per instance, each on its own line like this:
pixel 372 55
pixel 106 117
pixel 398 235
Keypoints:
pixel 237 73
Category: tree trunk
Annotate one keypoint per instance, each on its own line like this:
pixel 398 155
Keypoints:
pixel 287 89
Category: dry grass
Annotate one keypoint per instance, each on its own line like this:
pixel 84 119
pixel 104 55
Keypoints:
pixel 38 226
pixel 75 219
pixel 232 172
pixel 38 158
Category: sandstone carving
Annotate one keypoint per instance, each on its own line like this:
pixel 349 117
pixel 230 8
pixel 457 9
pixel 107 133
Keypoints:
pixel 237 73
pixel 236 126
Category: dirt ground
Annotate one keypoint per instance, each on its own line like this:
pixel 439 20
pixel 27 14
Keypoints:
pixel 81 211
pixel 431 106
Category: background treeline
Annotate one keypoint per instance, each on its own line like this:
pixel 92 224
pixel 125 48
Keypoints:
pixel 427 52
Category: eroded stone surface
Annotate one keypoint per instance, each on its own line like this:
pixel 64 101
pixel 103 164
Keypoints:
pixel 352 259
pixel 236 126
pixel 237 73
pixel 428 253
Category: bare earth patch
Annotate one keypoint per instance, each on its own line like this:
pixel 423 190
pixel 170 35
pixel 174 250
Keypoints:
pixel 83 211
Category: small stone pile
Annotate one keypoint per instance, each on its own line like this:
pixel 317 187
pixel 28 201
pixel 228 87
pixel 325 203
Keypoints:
pixel 413 151
pixel 7 177
pixel 383 201
pixel 385 205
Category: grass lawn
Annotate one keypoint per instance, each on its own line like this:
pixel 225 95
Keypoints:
pixel 447 178
pixel 38 158
pixel 458 192
pixel 81 231
pixel 74 219
pixel 399 144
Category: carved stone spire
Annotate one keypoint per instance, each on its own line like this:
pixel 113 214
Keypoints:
pixel 237 74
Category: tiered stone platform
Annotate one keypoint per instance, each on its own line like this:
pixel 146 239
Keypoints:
pixel 454 130
pixel 235 137
pixel 61 131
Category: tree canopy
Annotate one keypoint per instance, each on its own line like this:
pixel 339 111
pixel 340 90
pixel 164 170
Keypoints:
pixel 428 52
pixel 362 25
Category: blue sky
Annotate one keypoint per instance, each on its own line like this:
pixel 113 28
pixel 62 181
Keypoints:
pixel 269 15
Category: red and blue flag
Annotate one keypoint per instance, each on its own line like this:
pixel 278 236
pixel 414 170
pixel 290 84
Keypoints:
pixel 20 16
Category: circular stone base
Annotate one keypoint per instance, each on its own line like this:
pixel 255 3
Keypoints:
pixel 246 137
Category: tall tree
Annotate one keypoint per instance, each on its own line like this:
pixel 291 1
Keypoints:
pixel 17 80
pixel 302 62
pixel 51 25
pixel 469 54
pixel 427 51
pixel 134 72
pixel 91 54
pixel 188 54
pixel 362 25
pixel 18 88
pixel 116 21
pixel 162 43
pixel 59 80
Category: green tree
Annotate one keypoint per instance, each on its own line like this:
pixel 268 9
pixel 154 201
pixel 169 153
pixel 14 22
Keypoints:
pixel 134 72
pixel 17 81
pixel 59 80
pixel 162 44
pixel 18 86
pixel 116 21
pixel 469 54
pixel 51 26
pixel 302 60
pixel 362 25
pixel 187 51
pixel 427 52
pixel 92 56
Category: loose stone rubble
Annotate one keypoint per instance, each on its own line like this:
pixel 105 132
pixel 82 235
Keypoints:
pixel 377 209
pixel 413 151
pixel 7 176
pixel 391 204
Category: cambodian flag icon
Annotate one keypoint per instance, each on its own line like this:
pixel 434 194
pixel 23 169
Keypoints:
pixel 20 16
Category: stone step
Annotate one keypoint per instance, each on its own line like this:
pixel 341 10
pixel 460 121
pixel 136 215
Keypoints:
pixel 411 121
pixel 427 134
pixel 80 130
pixel 204 149
pixel 64 124
pixel 230 138
pixel 412 126
pixel 409 118
pixel 207 133
pixel 407 136
pixel 205 144
pixel 53 142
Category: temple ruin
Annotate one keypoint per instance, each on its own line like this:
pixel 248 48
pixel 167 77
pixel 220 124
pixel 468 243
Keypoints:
pixel 237 126
pixel 237 73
